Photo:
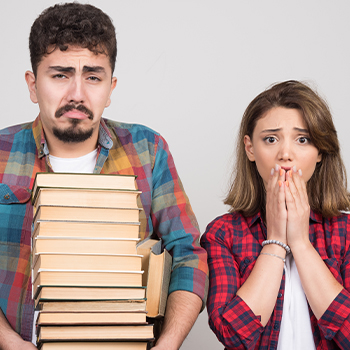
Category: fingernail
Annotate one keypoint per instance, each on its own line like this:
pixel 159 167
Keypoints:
pixel 279 183
pixel 287 183
pixel 281 172
pixel 290 173
pixel 272 171
pixel 294 168
pixel 276 167
pixel 300 172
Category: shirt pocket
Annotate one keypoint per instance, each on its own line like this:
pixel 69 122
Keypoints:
pixel 16 214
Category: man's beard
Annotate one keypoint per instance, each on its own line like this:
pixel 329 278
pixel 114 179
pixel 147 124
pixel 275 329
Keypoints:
pixel 73 134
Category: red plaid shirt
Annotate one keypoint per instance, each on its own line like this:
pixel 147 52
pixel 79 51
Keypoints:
pixel 233 243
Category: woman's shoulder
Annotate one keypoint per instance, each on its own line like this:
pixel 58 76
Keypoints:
pixel 226 224
pixel 344 217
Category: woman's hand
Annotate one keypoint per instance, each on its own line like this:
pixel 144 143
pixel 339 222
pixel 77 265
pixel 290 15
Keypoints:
pixel 298 209
pixel 276 213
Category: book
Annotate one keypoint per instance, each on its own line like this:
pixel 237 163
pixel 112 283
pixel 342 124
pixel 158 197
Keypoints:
pixel 86 278
pixel 93 306
pixel 86 198
pixel 158 277
pixel 81 180
pixel 46 212
pixel 119 332
pixel 94 345
pixel 60 293
pixel 90 318
pixel 122 262
pixel 144 248
pixel 159 272
pixel 56 228
pixel 84 245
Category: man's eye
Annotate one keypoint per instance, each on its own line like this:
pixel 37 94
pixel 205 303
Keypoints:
pixel 59 76
pixel 94 79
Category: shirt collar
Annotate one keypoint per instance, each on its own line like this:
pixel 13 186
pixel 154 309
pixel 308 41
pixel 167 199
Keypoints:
pixel 104 137
pixel 316 217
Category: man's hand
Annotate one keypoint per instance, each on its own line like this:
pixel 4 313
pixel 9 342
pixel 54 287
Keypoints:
pixel 9 339
pixel 17 343
pixel 181 313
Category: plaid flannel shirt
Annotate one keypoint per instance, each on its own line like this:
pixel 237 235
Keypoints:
pixel 233 243
pixel 129 149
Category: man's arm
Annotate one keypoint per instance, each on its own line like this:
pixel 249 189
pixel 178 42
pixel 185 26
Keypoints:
pixel 182 311
pixel 9 339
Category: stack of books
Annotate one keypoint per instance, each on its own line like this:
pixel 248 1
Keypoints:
pixel 87 274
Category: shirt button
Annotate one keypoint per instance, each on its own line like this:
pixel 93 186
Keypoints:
pixel 280 295
pixel 246 260
pixel 7 196
pixel 276 326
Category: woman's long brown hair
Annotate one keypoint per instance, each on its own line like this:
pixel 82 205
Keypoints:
pixel 327 188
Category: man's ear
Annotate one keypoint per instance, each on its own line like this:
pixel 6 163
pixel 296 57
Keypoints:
pixel 249 150
pixel 113 85
pixel 30 79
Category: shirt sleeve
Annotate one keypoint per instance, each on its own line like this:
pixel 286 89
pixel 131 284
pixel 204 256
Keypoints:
pixel 230 318
pixel 335 322
pixel 174 221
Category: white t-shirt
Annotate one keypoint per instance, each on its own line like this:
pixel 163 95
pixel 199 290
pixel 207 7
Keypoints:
pixel 295 331
pixel 84 164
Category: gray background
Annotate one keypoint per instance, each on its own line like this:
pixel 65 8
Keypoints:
pixel 188 69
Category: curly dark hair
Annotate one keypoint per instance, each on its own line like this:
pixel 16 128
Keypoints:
pixel 77 24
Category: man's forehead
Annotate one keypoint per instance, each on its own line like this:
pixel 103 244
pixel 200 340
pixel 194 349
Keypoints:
pixel 76 57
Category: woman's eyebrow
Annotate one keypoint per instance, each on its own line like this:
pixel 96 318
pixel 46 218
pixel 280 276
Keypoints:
pixel 270 130
pixel 279 129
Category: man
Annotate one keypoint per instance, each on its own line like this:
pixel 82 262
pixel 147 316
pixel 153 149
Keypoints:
pixel 73 52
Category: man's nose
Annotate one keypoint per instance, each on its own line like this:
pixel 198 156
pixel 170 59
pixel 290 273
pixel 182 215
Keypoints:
pixel 76 92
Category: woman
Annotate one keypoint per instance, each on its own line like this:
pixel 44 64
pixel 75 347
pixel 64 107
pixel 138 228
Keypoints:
pixel 280 260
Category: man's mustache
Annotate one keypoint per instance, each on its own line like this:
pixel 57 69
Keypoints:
pixel 71 107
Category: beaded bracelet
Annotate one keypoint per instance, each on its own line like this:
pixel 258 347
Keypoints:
pixel 273 241
pixel 277 256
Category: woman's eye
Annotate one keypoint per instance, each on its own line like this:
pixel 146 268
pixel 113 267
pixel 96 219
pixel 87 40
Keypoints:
pixel 303 139
pixel 270 139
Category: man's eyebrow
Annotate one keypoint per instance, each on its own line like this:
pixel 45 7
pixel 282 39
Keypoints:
pixel 93 69
pixel 86 69
pixel 62 69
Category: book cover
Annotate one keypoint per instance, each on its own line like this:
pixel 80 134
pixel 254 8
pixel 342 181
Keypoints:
pixel 84 245
pixel 86 198
pixel 158 264
pixel 86 278
pixel 120 332
pixel 62 228
pixel 69 293
pixel 93 306
pixel 90 318
pixel 81 180
pixel 46 212
pixel 122 262
pixel 119 345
